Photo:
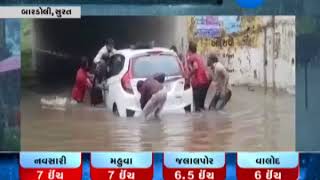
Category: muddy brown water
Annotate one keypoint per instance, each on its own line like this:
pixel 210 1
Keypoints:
pixel 252 121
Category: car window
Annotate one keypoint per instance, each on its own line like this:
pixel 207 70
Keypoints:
pixel 116 64
pixel 149 65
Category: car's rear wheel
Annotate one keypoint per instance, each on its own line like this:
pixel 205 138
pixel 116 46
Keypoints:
pixel 115 110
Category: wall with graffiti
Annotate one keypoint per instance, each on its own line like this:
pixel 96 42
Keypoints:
pixel 257 50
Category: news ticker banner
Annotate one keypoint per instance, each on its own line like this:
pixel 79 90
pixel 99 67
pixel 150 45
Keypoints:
pixel 158 166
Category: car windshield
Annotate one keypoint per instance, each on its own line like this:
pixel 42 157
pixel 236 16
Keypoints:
pixel 146 66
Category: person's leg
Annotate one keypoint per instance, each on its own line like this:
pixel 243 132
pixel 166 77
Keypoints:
pixel 196 98
pixel 225 99
pixel 157 105
pixel 203 96
pixel 162 98
pixel 214 101
pixel 156 113
pixel 228 95
pixel 150 108
pixel 93 93
pixel 201 103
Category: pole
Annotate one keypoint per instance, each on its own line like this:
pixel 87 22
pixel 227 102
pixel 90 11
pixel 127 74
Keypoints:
pixel 33 46
pixel 265 63
pixel 273 58
pixel 2 35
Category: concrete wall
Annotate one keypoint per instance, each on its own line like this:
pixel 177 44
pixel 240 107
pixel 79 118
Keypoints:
pixel 286 59
pixel 259 53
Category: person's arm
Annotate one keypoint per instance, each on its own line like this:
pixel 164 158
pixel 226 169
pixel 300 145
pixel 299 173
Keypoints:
pixel 142 103
pixel 88 83
pixel 142 100
pixel 222 74
pixel 90 76
pixel 221 79
pixel 99 55
pixel 210 74
pixel 160 77
pixel 89 79
pixel 113 51
pixel 194 68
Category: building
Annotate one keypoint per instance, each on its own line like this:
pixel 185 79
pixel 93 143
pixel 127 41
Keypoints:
pixel 257 50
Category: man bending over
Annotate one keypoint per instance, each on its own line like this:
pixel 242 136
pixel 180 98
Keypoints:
pixel 153 95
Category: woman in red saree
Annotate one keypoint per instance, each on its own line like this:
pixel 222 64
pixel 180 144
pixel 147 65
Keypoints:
pixel 82 82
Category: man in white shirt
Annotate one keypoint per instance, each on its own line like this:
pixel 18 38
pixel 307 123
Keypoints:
pixel 220 75
pixel 107 49
pixel 102 62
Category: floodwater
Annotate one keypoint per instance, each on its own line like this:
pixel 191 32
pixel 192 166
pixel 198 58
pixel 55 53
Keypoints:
pixel 252 121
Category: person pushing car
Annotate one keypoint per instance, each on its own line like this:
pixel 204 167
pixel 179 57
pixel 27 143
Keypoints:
pixel 153 95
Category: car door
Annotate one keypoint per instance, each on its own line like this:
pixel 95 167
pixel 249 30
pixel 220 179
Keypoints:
pixel 115 67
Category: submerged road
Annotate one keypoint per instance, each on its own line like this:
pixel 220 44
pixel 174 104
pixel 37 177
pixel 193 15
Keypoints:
pixel 252 121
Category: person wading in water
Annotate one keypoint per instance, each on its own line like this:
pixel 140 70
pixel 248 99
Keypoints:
pixel 153 95
pixel 82 82
pixel 222 90
pixel 199 77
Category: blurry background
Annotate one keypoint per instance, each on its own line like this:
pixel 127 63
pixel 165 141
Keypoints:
pixel 10 85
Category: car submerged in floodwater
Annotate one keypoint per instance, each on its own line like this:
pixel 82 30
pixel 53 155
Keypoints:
pixel 128 66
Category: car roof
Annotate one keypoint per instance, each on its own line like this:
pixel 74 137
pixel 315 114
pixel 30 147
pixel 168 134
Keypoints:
pixel 128 53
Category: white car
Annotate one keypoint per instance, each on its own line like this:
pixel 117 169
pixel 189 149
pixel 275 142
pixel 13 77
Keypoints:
pixel 128 66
